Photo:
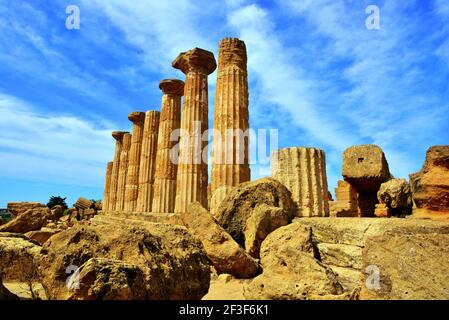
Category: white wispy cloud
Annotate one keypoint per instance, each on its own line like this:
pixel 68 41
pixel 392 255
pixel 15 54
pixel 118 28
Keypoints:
pixel 51 148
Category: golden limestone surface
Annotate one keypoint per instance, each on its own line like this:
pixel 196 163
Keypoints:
pixel 192 178
pixel 230 142
pixel 118 136
pixel 166 158
pixel 303 172
pixel 132 175
pixel 121 182
pixel 107 185
pixel 147 162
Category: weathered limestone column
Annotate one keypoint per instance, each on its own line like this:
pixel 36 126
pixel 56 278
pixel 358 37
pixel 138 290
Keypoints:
pixel 230 161
pixel 191 181
pixel 118 136
pixel 303 172
pixel 107 186
pixel 132 175
pixel 166 168
pixel 121 183
pixel 148 161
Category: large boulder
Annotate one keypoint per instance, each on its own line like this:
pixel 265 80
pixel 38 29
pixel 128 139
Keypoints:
pixel 365 167
pixel 19 257
pixel 173 261
pixel 263 220
pixel 395 194
pixel 17 208
pixel 430 186
pixel 290 271
pixel 41 236
pixel 242 202
pixel 32 219
pixel 224 253
pixel 106 279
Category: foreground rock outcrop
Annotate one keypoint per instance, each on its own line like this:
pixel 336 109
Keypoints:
pixel 385 258
pixel 430 186
pixel 243 200
pixel 19 257
pixel 106 279
pixel 290 270
pixel 173 262
pixel 225 254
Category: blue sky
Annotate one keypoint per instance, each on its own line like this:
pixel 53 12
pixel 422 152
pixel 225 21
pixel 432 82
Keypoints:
pixel 315 73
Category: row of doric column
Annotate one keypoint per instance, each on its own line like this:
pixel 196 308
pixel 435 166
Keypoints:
pixel 162 165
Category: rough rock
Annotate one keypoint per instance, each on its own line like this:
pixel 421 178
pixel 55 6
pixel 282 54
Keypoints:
pixel 19 257
pixel 30 220
pixel 5 294
pixel 173 261
pixel 395 194
pixel 226 287
pixel 263 220
pixel 240 203
pixel 430 186
pixel 224 253
pixel 411 267
pixel 217 198
pixel 291 237
pixel 106 279
pixel 382 211
pixel 407 251
pixel 365 167
pixel 41 236
pixel 289 272
pixel 16 208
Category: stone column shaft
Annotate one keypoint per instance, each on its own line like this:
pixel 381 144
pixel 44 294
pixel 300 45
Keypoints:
pixel 303 172
pixel 192 180
pixel 166 159
pixel 132 175
pixel 118 136
pixel 230 161
pixel 148 161
pixel 121 183
pixel 107 186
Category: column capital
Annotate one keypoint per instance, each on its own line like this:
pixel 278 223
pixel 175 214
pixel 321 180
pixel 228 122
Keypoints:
pixel 172 86
pixel 118 135
pixel 136 117
pixel 195 59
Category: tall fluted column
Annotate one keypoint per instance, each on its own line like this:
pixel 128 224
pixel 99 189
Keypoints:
pixel 107 186
pixel 132 175
pixel 126 145
pixel 166 168
pixel 303 172
pixel 118 136
pixel 148 161
pixel 230 161
pixel 191 182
